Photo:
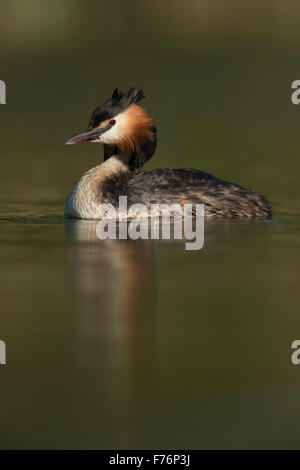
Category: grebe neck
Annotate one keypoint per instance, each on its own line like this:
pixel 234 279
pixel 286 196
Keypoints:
pixel 133 153
pixel 90 191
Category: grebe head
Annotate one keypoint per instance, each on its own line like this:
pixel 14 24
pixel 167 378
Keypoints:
pixel 125 129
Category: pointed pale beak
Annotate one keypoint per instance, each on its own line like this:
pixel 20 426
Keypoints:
pixel 87 135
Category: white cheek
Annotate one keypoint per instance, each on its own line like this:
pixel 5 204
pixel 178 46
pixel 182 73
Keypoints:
pixel 110 136
pixel 116 132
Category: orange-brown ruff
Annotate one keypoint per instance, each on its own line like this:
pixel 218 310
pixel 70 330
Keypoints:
pixel 129 137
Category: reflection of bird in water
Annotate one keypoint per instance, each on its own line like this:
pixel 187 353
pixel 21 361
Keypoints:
pixel 129 137
pixel 125 265
pixel 112 281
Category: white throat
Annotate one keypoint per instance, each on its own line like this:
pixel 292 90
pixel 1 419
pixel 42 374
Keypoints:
pixel 86 197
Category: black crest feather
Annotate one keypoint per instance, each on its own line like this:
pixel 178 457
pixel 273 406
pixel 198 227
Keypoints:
pixel 118 102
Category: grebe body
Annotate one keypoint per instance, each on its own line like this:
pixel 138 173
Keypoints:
pixel 129 137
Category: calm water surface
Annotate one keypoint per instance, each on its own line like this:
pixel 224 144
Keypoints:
pixel 140 344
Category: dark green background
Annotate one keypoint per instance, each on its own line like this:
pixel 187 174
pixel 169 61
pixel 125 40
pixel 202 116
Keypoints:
pixel 142 344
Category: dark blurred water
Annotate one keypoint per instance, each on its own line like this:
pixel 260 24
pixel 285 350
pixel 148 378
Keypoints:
pixel 122 344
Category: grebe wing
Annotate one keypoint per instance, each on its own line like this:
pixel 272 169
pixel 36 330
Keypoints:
pixel 173 183
pixel 191 186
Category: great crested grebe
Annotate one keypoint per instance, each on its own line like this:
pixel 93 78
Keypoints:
pixel 129 137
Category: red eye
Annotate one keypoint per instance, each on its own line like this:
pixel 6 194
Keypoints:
pixel 112 122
